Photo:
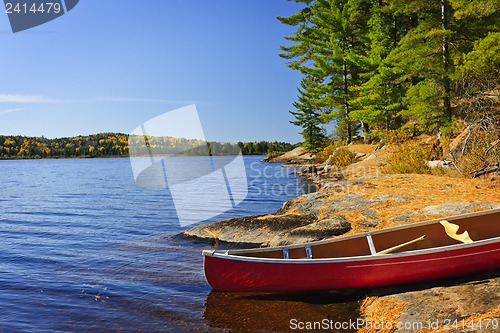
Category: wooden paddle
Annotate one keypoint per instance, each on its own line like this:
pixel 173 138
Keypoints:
pixel 451 230
pixel 397 247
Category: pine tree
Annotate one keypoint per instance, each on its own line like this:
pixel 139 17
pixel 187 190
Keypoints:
pixel 307 115
pixel 425 59
pixel 342 25
pixel 330 43
pixel 381 63
pixel 299 52
pixel 421 61
pixel 379 97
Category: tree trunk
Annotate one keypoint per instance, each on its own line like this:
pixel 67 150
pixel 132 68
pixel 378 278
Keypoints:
pixel 445 9
pixel 311 138
pixel 346 92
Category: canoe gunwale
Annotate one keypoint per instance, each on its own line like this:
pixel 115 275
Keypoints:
pixel 364 234
pixel 246 254
pixel 403 254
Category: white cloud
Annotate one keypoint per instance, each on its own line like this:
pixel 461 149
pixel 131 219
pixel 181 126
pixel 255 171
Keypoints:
pixel 17 98
pixel 2 112
pixel 141 100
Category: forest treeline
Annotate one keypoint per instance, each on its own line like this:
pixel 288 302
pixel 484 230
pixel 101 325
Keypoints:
pixel 117 145
pixel 371 66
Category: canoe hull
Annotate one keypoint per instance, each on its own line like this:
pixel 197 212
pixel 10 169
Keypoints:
pixel 234 273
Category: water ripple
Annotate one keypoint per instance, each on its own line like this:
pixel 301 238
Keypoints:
pixel 84 249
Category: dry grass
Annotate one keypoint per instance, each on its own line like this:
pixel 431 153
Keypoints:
pixel 416 191
pixel 354 217
pixel 342 157
pixel 214 233
pixel 323 155
pixel 410 157
pixel 388 310
pixel 470 322
pixel 322 215
pixel 362 148
pixel 426 190
pixel 339 156
pixel 420 190
pixel 385 310
pixel 289 212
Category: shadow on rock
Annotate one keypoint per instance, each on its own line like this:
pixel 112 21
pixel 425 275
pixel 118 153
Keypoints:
pixel 243 312
pixel 280 312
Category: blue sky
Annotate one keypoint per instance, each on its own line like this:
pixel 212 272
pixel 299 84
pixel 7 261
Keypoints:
pixel 110 65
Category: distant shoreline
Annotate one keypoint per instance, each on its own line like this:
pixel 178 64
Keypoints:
pixel 116 145
pixel 57 158
pixel 108 157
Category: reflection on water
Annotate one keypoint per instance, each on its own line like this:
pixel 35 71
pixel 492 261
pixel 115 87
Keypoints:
pixel 246 312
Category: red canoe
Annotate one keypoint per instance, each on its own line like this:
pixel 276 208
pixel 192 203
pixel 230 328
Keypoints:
pixel 466 244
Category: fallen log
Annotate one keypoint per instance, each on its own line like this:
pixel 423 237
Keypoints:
pixel 486 170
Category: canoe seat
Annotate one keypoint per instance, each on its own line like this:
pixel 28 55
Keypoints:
pixel 374 252
pixel 307 247
pixel 370 243
pixel 309 253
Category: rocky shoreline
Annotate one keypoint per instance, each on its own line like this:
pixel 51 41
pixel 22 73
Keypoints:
pixel 355 199
pixel 359 198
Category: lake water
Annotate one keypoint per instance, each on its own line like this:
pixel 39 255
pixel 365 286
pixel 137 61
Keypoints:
pixel 83 248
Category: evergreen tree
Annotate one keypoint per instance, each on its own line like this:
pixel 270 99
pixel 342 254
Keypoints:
pixel 342 59
pixel 384 62
pixel 299 52
pixel 422 61
pixel 425 59
pixel 330 43
pixel 307 115
pixel 379 97
pixel 479 61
